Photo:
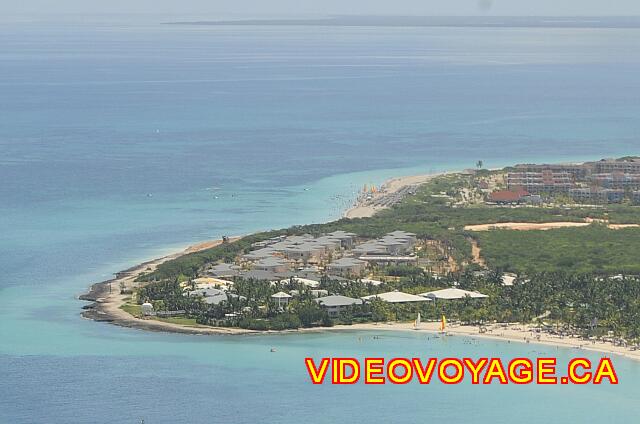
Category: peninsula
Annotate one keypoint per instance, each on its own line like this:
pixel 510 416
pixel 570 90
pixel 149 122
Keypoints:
pixel 530 253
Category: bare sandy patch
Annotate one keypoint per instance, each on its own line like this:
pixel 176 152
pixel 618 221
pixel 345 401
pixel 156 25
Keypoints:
pixel 525 226
pixel 540 226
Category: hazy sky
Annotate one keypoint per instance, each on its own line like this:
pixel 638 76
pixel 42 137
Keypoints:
pixel 212 8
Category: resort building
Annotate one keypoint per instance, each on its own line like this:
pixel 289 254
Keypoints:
pixel 336 304
pixel 453 293
pixel 394 243
pixel 318 293
pixel 329 244
pixel 627 166
pixel 597 195
pixel 281 299
pixel 147 310
pixel 508 279
pixel 347 240
pixel 515 195
pixel 575 171
pixel 371 282
pixel 224 270
pixel 619 181
pixel 346 266
pixel 301 252
pixel 212 296
pixel 271 264
pixel 410 238
pixel 315 293
pixel 542 181
pixel 256 255
pixel 370 248
pixel 396 297
pixel 390 260
pixel 265 275
pixel 304 281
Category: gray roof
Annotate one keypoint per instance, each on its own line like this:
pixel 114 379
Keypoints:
pixel 271 261
pixel 342 234
pixel 401 234
pixel 346 262
pixel 210 292
pixel 327 241
pixel 391 242
pixel 260 253
pixel 337 278
pixel 213 296
pixel 299 239
pixel 261 275
pixel 371 247
pixel 337 300
pixel 224 269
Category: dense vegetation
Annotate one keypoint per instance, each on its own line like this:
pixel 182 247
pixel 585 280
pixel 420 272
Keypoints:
pixel 562 272
pixel 574 303
pixel 436 218
pixel 592 249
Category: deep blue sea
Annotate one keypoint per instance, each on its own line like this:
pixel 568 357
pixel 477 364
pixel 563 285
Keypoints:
pixel 122 142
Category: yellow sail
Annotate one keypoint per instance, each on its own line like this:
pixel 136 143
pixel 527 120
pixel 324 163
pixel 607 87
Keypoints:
pixel 443 323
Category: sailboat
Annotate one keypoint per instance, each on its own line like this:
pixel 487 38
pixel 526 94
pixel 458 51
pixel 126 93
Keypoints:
pixel 443 324
pixel 416 323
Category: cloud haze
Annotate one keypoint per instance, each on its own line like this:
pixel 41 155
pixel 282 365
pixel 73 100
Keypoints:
pixel 211 8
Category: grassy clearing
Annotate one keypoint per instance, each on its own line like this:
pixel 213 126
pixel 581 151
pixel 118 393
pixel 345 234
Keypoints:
pixel 132 309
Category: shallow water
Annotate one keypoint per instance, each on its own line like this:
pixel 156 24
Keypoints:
pixel 122 142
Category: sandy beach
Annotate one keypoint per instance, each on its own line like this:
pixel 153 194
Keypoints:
pixel 508 333
pixel 107 299
pixel 390 191
pixel 106 308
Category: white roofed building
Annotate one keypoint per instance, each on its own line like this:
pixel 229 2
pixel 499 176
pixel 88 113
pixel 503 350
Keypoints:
pixel 396 297
pixel 281 299
pixel 452 293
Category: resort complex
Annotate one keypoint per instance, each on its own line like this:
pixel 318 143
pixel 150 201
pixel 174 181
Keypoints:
pixel 601 182
pixel 480 247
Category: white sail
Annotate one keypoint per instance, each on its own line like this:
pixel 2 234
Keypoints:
pixel 418 320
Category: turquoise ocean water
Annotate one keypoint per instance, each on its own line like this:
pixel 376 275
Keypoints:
pixel 121 142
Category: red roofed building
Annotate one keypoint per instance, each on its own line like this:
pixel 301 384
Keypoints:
pixel 514 195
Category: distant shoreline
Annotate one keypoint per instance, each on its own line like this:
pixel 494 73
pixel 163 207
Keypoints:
pixel 608 22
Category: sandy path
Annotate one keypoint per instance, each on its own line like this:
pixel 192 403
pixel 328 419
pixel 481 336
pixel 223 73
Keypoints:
pixel 541 226
pixel 476 253
pixel 525 226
